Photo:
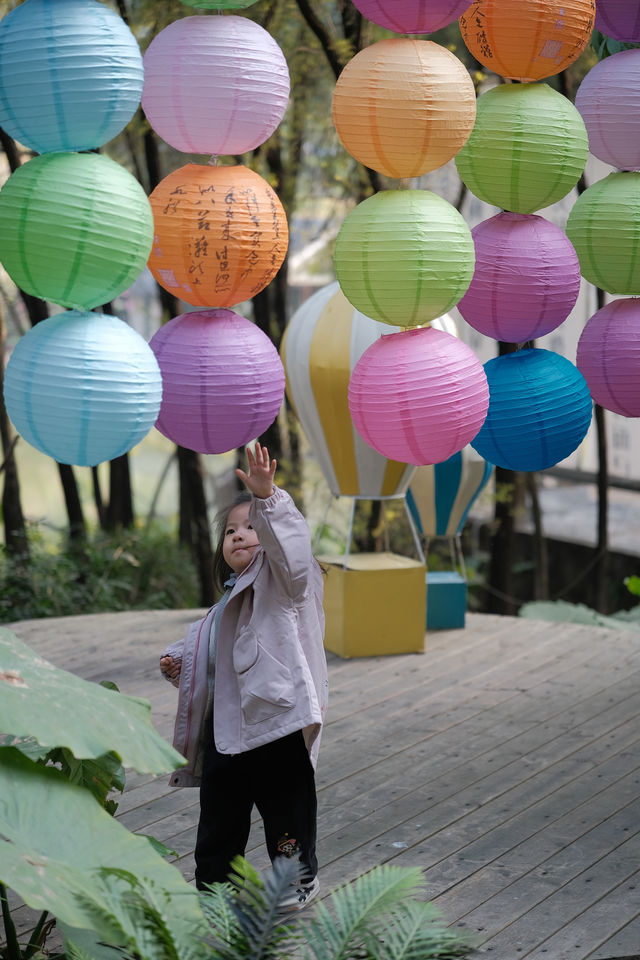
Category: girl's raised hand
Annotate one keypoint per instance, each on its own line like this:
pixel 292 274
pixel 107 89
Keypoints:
pixel 262 470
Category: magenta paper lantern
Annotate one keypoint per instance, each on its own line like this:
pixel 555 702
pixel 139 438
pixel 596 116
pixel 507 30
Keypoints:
pixel 609 356
pixel 412 16
pixel 526 281
pixel 222 380
pixel 619 19
pixel 418 396
pixel 609 101
pixel 215 84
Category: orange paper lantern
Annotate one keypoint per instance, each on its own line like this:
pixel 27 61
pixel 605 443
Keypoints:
pixel 527 41
pixel 220 234
pixel 404 107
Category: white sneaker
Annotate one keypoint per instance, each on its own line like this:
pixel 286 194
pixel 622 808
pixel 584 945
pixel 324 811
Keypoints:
pixel 303 895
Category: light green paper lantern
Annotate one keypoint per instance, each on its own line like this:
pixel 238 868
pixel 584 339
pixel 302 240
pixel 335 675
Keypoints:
pixel 75 228
pixel 404 257
pixel 220 4
pixel 527 149
pixel 604 227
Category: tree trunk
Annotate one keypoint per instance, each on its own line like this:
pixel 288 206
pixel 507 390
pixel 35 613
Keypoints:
pixel 541 554
pixel 194 521
pixel 15 531
pixel 77 526
pixel 602 548
pixel 119 513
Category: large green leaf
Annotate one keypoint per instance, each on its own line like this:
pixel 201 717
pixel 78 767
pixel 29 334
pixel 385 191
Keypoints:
pixel 57 842
pixel 62 710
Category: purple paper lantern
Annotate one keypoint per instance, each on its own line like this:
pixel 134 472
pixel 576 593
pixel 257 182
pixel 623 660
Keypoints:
pixel 619 19
pixel 526 281
pixel 418 396
pixel 222 379
pixel 412 16
pixel 609 356
pixel 217 85
pixel 609 101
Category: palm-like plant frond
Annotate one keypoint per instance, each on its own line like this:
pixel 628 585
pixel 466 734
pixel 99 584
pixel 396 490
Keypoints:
pixel 419 933
pixel 359 911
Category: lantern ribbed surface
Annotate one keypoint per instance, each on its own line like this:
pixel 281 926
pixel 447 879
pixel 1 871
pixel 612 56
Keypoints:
pixel 619 19
pixel 82 387
pixel 404 107
pixel 609 357
pixel 418 396
pixel 412 16
pixel 223 381
pixel 539 412
pixel 404 257
pixel 442 494
pixel 526 281
pixel 70 74
pixel 221 234
pixel 527 149
pixel 75 228
pixel 609 102
pixel 604 227
pixel 217 85
pixel 527 41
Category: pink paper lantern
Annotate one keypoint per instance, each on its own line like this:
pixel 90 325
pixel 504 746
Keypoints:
pixel 619 19
pixel 609 101
pixel 418 396
pixel 412 16
pixel 222 380
pixel 215 84
pixel 526 281
pixel 609 356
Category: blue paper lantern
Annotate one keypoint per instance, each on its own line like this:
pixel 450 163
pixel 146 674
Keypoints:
pixel 539 410
pixel 71 74
pixel 82 387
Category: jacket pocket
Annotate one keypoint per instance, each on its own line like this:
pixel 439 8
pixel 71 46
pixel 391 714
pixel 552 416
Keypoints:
pixel 265 684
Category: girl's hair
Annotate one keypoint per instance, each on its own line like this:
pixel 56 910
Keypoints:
pixel 221 569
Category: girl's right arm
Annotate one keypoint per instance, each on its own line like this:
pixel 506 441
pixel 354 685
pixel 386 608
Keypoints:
pixel 171 662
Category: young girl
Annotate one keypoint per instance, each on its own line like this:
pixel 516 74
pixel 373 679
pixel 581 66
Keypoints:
pixel 252 680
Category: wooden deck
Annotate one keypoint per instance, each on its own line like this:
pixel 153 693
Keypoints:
pixel 505 762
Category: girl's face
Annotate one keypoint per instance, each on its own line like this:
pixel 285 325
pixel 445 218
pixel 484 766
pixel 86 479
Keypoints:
pixel 240 539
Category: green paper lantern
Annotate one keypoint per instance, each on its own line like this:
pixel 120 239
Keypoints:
pixel 404 257
pixel 220 4
pixel 75 228
pixel 527 149
pixel 604 227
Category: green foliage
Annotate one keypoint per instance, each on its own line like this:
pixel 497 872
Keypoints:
pixel 607 46
pixel 633 585
pixel 561 611
pixel 129 570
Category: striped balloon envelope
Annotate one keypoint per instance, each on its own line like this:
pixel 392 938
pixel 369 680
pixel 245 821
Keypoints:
pixel 323 341
pixel 441 495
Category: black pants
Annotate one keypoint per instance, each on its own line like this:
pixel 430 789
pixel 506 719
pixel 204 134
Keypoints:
pixel 278 777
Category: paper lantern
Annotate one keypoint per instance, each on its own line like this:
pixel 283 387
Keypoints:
pixel 75 229
pixel 418 396
pixel 82 387
pixel 70 74
pixel 404 257
pixel 322 343
pixel 619 19
pixel 227 87
pixel 609 102
pixel 442 494
pixel 604 227
pixel 539 412
pixel 404 107
pixel 221 234
pixel 223 382
pixel 526 281
pixel 527 149
pixel 527 41
pixel 412 16
pixel 609 357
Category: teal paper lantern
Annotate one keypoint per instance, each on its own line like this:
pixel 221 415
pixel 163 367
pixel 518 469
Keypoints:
pixel 539 410
pixel 75 229
pixel 82 387
pixel 404 257
pixel 604 227
pixel 70 74
pixel 527 149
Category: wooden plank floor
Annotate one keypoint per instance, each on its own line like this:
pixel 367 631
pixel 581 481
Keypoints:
pixel 505 762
